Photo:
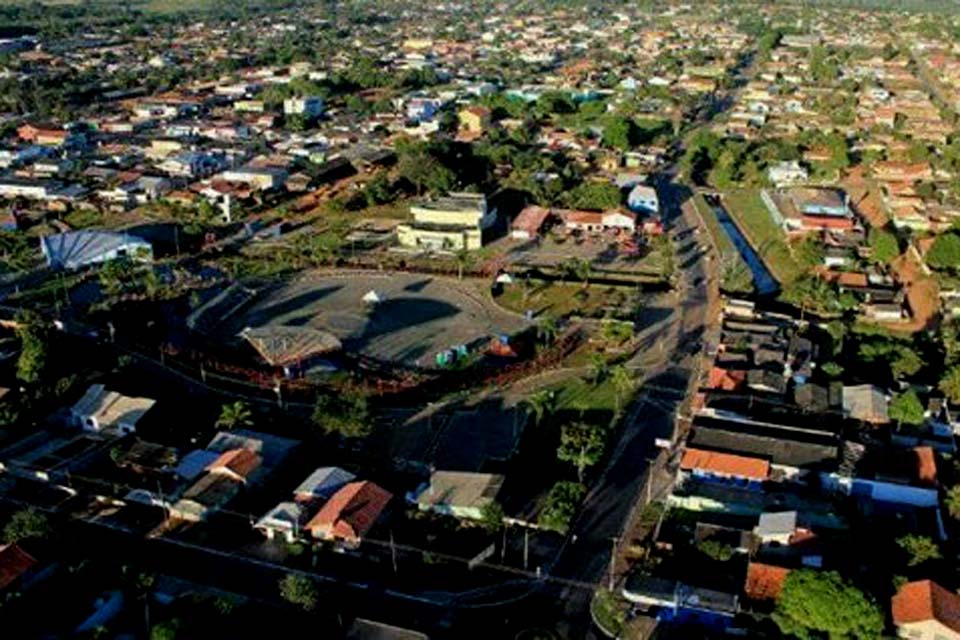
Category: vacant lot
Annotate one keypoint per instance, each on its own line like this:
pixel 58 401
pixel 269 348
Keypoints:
pixel 418 316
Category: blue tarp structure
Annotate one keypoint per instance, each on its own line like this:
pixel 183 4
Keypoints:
pixel 76 249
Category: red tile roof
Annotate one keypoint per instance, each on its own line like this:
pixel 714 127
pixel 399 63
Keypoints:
pixel 926 600
pixel 726 379
pixel 725 463
pixel 351 512
pixel 764 581
pixel 241 461
pixel 926 465
pixel 14 562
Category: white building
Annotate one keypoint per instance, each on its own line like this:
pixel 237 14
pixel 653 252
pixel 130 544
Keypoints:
pixel 787 173
pixel 100 410
pixel 311 106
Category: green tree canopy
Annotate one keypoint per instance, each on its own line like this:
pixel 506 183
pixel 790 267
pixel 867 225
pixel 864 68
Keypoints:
pixel 25 524
pixel 346 413
pixel 817 604
pixel 906 408
pixel 34 337
pixel 884 247
pixel 300 591
pixel 236 414
pixel 945 252
pixel 620 133
pixel 561 505
pixel 918 549
pixel 950 384
pixel 597 196
pixel 581 445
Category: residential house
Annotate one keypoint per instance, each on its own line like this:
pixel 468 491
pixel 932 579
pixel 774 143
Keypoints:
pixel 286 520
pixel 100 410
pixel 474 119
pixel 322 484
pixel 15 566
pixel 529 223
pixel 458 493
pixel 923 610
pixel 643 200
pixel 865 402
pixel 350 513
pixel 594 221
pixel 309 106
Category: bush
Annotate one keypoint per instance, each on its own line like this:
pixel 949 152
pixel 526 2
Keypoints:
pixel 561 506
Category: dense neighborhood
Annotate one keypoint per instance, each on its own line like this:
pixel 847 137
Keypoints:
pixel 548 320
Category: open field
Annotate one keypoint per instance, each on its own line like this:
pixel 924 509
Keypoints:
pixel 767 238
pixel 419 316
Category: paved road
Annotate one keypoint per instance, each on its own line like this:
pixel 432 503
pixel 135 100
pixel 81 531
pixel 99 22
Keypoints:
pixel 608 505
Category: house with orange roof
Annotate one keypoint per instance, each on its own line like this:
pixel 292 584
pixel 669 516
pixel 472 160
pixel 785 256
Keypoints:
pixel 764 583
pixel 926 611
pixel 350 513
pixel 726 379
pixel 715 464
pixel 238 464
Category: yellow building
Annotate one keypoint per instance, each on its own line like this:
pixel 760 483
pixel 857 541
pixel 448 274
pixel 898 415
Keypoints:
pixel 454 222
pixel 474 119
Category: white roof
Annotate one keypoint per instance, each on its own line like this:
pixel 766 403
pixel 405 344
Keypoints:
pixel 372 297
pixel 111 408
pixel 285 515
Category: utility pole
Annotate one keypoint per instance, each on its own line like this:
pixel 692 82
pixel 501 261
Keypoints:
pixel 613 561
pixel 526 547
pixel 393 552
pixel 503 545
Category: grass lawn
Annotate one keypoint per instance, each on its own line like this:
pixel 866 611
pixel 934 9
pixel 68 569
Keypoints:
pixel 582 395
pixel 609 611
pixel 746 207
pixel 736 276
pixel 562 299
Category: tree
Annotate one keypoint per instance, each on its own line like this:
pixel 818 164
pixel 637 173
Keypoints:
pixel 492 516
pixel 906 408
pixel 34 347
pixel 578 269
pixel 944 254
pixel 463 258
pixel 599 368
pixel 540 405
pixel 620 133
pixel 622 381
pixel 715 550
pixel 547 330
pixel 822 603
pixel 918 549
pixel 953 502
pixel 950 384
pixel 906 363
pixel 596 196
pixel 300 591
pixel 25 524
pixel 581 445
pixel 236 414
pixel 883 246
pixel 346 413
pixel 560 506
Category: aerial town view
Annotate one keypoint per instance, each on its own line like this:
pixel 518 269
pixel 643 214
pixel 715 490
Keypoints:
pixel 546 320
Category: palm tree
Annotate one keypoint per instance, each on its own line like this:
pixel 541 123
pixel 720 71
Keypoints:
pixel 235 414
pixel 541 405
pixel 953 502
pixel 463 258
